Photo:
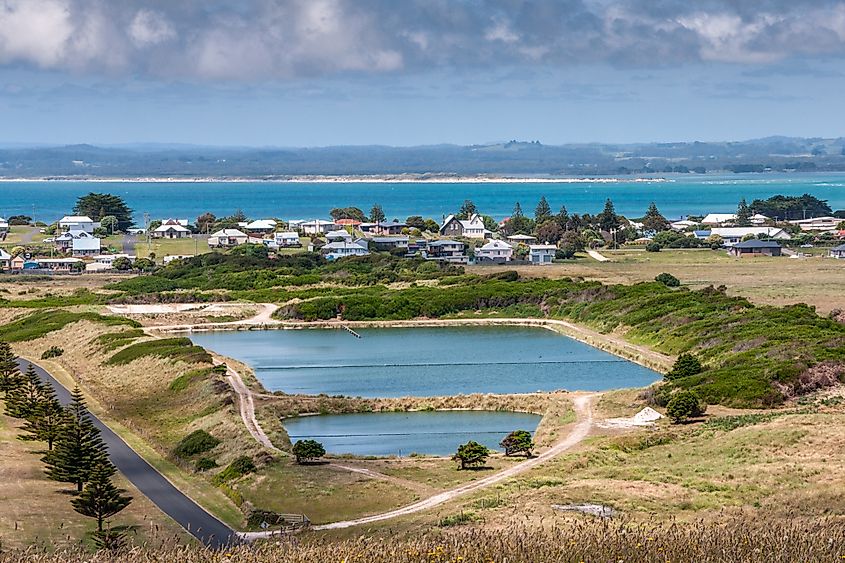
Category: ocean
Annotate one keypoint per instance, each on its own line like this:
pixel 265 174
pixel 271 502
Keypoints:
pixel 680 195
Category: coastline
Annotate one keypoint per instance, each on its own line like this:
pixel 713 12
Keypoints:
pixel 350 179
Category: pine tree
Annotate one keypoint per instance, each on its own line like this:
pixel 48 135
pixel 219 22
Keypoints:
pixel 608 219
pixel 563 218
pixel 23 400
pixel 653 220
pixel 100 498
pixel 743 214
pixel 543 212
pixel 517 210
pixel 9 372
pixel 46 421
pixel 467 210
pixel 377 214
pixel 78 447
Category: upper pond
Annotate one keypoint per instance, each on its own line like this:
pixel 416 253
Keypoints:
pixel 424 362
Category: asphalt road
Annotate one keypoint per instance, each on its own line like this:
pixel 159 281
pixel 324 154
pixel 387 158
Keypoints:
pixel 199 523
pixel 128 244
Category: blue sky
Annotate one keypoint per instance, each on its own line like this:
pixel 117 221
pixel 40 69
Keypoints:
pixel 326 72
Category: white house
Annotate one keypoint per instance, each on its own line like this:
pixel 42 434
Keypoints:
pixel 171 228
pixel 469 228
pixel 447 251
pixel 64 241
pixel 5 260
pixel 682 225
pixel 524 239
pixel 539 254
pixel 759 219
pixel 339 235
pixel 733 235
pixel 818 224
pixel 718 219
pixel 317 227
pixel 494 251
pixel 343 248
pixel 77 223
pixel 835 252
pixel 171 257
pixel 287 239
pixel 4 226
pixel 261 226
pixel 225 238
pixel 85 246
pixel 58 264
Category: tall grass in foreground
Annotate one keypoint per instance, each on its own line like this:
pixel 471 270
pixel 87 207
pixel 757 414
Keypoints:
pixel 749 539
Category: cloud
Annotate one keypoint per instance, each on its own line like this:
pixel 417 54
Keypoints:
pixel 250 40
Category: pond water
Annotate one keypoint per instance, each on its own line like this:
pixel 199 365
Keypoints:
pixel 403 433
pixel 424 362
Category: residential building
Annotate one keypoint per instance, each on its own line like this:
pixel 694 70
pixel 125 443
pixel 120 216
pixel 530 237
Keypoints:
pixel 85 246
pixel 338 235
pixel 5 260
pixel 818 224
pixel 468 228
pixel 497 251
pixel 110 258
pixel 387 229
pixel 718 219
pixel 54 264
pixel 447 251
pixel 77 223
pixel 171 228
pixel 226 238
pixel 317 227
pixel 391 243
pixel 760 219
pixel 733 235
pixel 261 226
pixel 343 249
pixel 683 225
pixel 348 222
pixel 838 251
pixel 287 240
pixel 4 226
pixel 17 263
pixel 522 239
pixel 171 257
pixel 755 247
pixel 540 254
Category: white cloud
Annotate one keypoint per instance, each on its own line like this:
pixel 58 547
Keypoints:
pixel 150 28
pixel 34 31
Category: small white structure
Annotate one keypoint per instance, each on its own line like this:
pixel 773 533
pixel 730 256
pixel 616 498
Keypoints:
pixel 227 238
pixel 342 249
pixel 469 228
pixel 110 258
pixel 5 260
pixel 541 254
pixel 261 226
pixel 59 264
pixel 718 219
pixel 317 227
pixel 524 239
pixel 818 224
pixel 733 235
pixel 646 417
pixel 759 219
pixel 287 240
pixel 171 228
pixel 838 252
pixel 494 251
pixel 171 257
pixel 682 225
pixel 85 246
pixel 339 235
pixel 4 226
pixel 77 223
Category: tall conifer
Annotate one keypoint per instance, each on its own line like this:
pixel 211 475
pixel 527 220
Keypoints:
pixel 100 498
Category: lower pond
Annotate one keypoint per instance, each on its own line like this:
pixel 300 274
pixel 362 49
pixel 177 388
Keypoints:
pixel 424 362
pixel 403 433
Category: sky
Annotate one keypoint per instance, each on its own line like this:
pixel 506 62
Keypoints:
pixel 410 72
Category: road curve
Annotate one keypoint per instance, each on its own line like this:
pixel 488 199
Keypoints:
pixel 206 528
pixel 582 406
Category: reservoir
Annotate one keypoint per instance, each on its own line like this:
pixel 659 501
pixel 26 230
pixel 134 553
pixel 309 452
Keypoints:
pixel 403 433
pixel 425 361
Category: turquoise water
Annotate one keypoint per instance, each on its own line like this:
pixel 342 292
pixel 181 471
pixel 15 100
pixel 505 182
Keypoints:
pixel 425 362
pixel 685 194
pixel 383 434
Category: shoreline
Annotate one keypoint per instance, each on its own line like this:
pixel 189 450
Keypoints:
pixel 350 179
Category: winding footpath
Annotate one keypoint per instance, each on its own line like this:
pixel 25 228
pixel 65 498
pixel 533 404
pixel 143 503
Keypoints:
pixel 191 516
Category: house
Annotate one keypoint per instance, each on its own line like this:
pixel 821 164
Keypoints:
pixel 682 225
pixel 225 238
pixel 447 251
pixel 342 249
pixel 469 228
pixel 85 246
pixel 287 240
pixel 733 235
pixel 391 243
pixel 718 219
pixel 838 251
pixel 348 222
pixel 539 254
pixel 110 258
pixel 523 239
pixel 64 241
pixel 171 257
pixel 171 228
pixel 17 263
pixel 56 264
pixel 5 260
pixel 387 229
pixel 317 227
pixel 95 267
pixel 416 246
pixel 77 223
pixel 818 224
pixel 338 235
pixel 755 247
pixel 4 226
pixel 261 226
pixel 759 219
pixel 497 251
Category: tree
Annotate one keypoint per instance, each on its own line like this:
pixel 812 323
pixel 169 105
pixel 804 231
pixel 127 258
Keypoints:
pixel 518 441
pixel 377 214
pixel 205 222
pixel 653 247
pixel 788 208
pixel 563 218
pixel 467 210
pixel 144 265
pixel 308 450
pixel 96 206
pixel 543 212
pixel 9 373
pixel 46 421
pixel 653 220
pixel 518 223
pixel 78 448
pixel 471 454
pixel 608 220
pixel 22 401
pixel 667 279
pixel 685 366
pixel 571 240
pixel 353 213
pixel 684 405
pixel 100 498
pixel 549 232
pixel 109 223
pixel 743 214
pixel 416 222
pixel 431 226
pixel 122 264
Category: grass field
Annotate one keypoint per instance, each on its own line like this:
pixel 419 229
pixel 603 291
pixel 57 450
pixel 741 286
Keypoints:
pixel 164 247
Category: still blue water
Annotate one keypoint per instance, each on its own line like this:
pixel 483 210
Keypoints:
pixel 685 194
pixel 403 433
pixel 425 362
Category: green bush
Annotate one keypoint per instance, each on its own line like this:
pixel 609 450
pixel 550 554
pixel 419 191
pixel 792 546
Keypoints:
pixel 668 280
pixel 308 451
pixel 184 381
pixel 178 348
pixel 52 352
pixel 41 323
pixel 684 405
pixel 204 464
pixel 686 365
pixel 653 247
pixel 197 442
pixel 241 466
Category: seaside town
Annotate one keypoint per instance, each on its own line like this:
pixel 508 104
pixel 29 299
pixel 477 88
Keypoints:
pixel 103 242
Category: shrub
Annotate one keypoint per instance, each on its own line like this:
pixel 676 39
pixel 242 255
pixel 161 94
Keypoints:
pixel 241 466
pixel 471 454
pixel 685 366
pixel 684 405
pixel 518 441
pixel 668 280
pixel 204 464
pixel 184 381
pixel 179 348
pixel 52 352
pixel 196 442
pixel 653 247
pixel 308 450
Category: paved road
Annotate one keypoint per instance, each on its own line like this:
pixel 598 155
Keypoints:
pixel 199 523
pixel 128 244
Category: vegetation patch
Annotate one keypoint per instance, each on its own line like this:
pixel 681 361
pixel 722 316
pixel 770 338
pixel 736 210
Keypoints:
pixel 197 442
pixel 41 323
pixel 178 348
pixel 52 352
pixel 241 466
pixel 457 519
pixel 114 340
pixel 184 381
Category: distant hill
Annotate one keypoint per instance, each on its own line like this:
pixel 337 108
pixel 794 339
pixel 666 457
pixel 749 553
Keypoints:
pixel 510 158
